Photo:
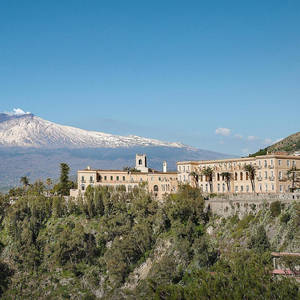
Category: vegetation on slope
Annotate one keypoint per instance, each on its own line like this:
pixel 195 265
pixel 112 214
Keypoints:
pixel 118 245
pixel 289 144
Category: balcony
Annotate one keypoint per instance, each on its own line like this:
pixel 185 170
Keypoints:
pixel 259 178
pixel 282 179
pixel 271 178
pixel 271 167
pixel 258 167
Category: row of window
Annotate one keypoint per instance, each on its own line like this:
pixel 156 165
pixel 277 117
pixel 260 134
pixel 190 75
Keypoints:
pixel 265 163
pixel 266 175
pixel 118 178
pixel 287 163
pixel 129 187
pixel 237 176
pixel 184 168
pixel 246 188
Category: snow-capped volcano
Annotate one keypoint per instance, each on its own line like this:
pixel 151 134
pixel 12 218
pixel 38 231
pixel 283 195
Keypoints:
pixel 28 130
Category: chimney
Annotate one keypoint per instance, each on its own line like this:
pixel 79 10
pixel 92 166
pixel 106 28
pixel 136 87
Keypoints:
pixel 165 167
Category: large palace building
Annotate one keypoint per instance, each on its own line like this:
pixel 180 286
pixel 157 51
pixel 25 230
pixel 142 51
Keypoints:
pixel 270 174
pixel 158 183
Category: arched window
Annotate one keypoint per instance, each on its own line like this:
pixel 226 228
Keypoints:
pixel 241 176
pixel 140 162
pixel 218 176
pixel 247 175
pixel 235 176
pixel 155 188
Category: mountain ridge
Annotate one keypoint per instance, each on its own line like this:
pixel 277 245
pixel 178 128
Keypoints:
pixel 28 130
pixel 33 147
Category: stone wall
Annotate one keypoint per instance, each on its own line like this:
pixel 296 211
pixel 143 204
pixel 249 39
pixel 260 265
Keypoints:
pixel 229 205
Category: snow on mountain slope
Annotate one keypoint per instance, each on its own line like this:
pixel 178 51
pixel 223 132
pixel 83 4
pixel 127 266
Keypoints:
pixel 28 130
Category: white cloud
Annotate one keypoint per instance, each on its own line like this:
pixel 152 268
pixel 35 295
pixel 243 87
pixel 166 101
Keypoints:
pixel 238 136
pixel 17 112
pixel 251 138
pixel 223 131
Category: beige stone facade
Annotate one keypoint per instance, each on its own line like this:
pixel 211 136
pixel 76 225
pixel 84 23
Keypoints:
pixel 158 183
pixel 271 174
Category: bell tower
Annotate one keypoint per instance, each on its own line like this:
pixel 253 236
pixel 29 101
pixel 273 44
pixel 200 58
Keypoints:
pixel 141 163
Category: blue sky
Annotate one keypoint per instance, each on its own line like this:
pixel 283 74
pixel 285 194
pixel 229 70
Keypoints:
pixel 218 75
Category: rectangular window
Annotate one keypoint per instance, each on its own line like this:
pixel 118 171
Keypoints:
pixel 294 163
pixel 265 164
pixel 266 187
pixel 105 177
pixel 279 162
pixel 82 178
pixel 266 174
pixel 242 188
pixel 288 163
pixel 247 188
pixel 123 178
pixel 111 178
pixel 117 178
pixel 280 175
pixel 260 187
pixel 280 188
pixel 236 188
pixel 91 178
pixel 273 187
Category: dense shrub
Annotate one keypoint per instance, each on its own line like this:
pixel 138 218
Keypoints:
pixel 259 241
pixel 285 218
pixel 275 208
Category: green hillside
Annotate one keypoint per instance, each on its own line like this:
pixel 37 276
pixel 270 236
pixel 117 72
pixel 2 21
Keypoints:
pixel 128 246
pixel 289 144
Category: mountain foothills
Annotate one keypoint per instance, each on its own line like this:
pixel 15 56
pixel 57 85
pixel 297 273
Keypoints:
pixel 119 245
pixel 33 147
pixel 289 144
